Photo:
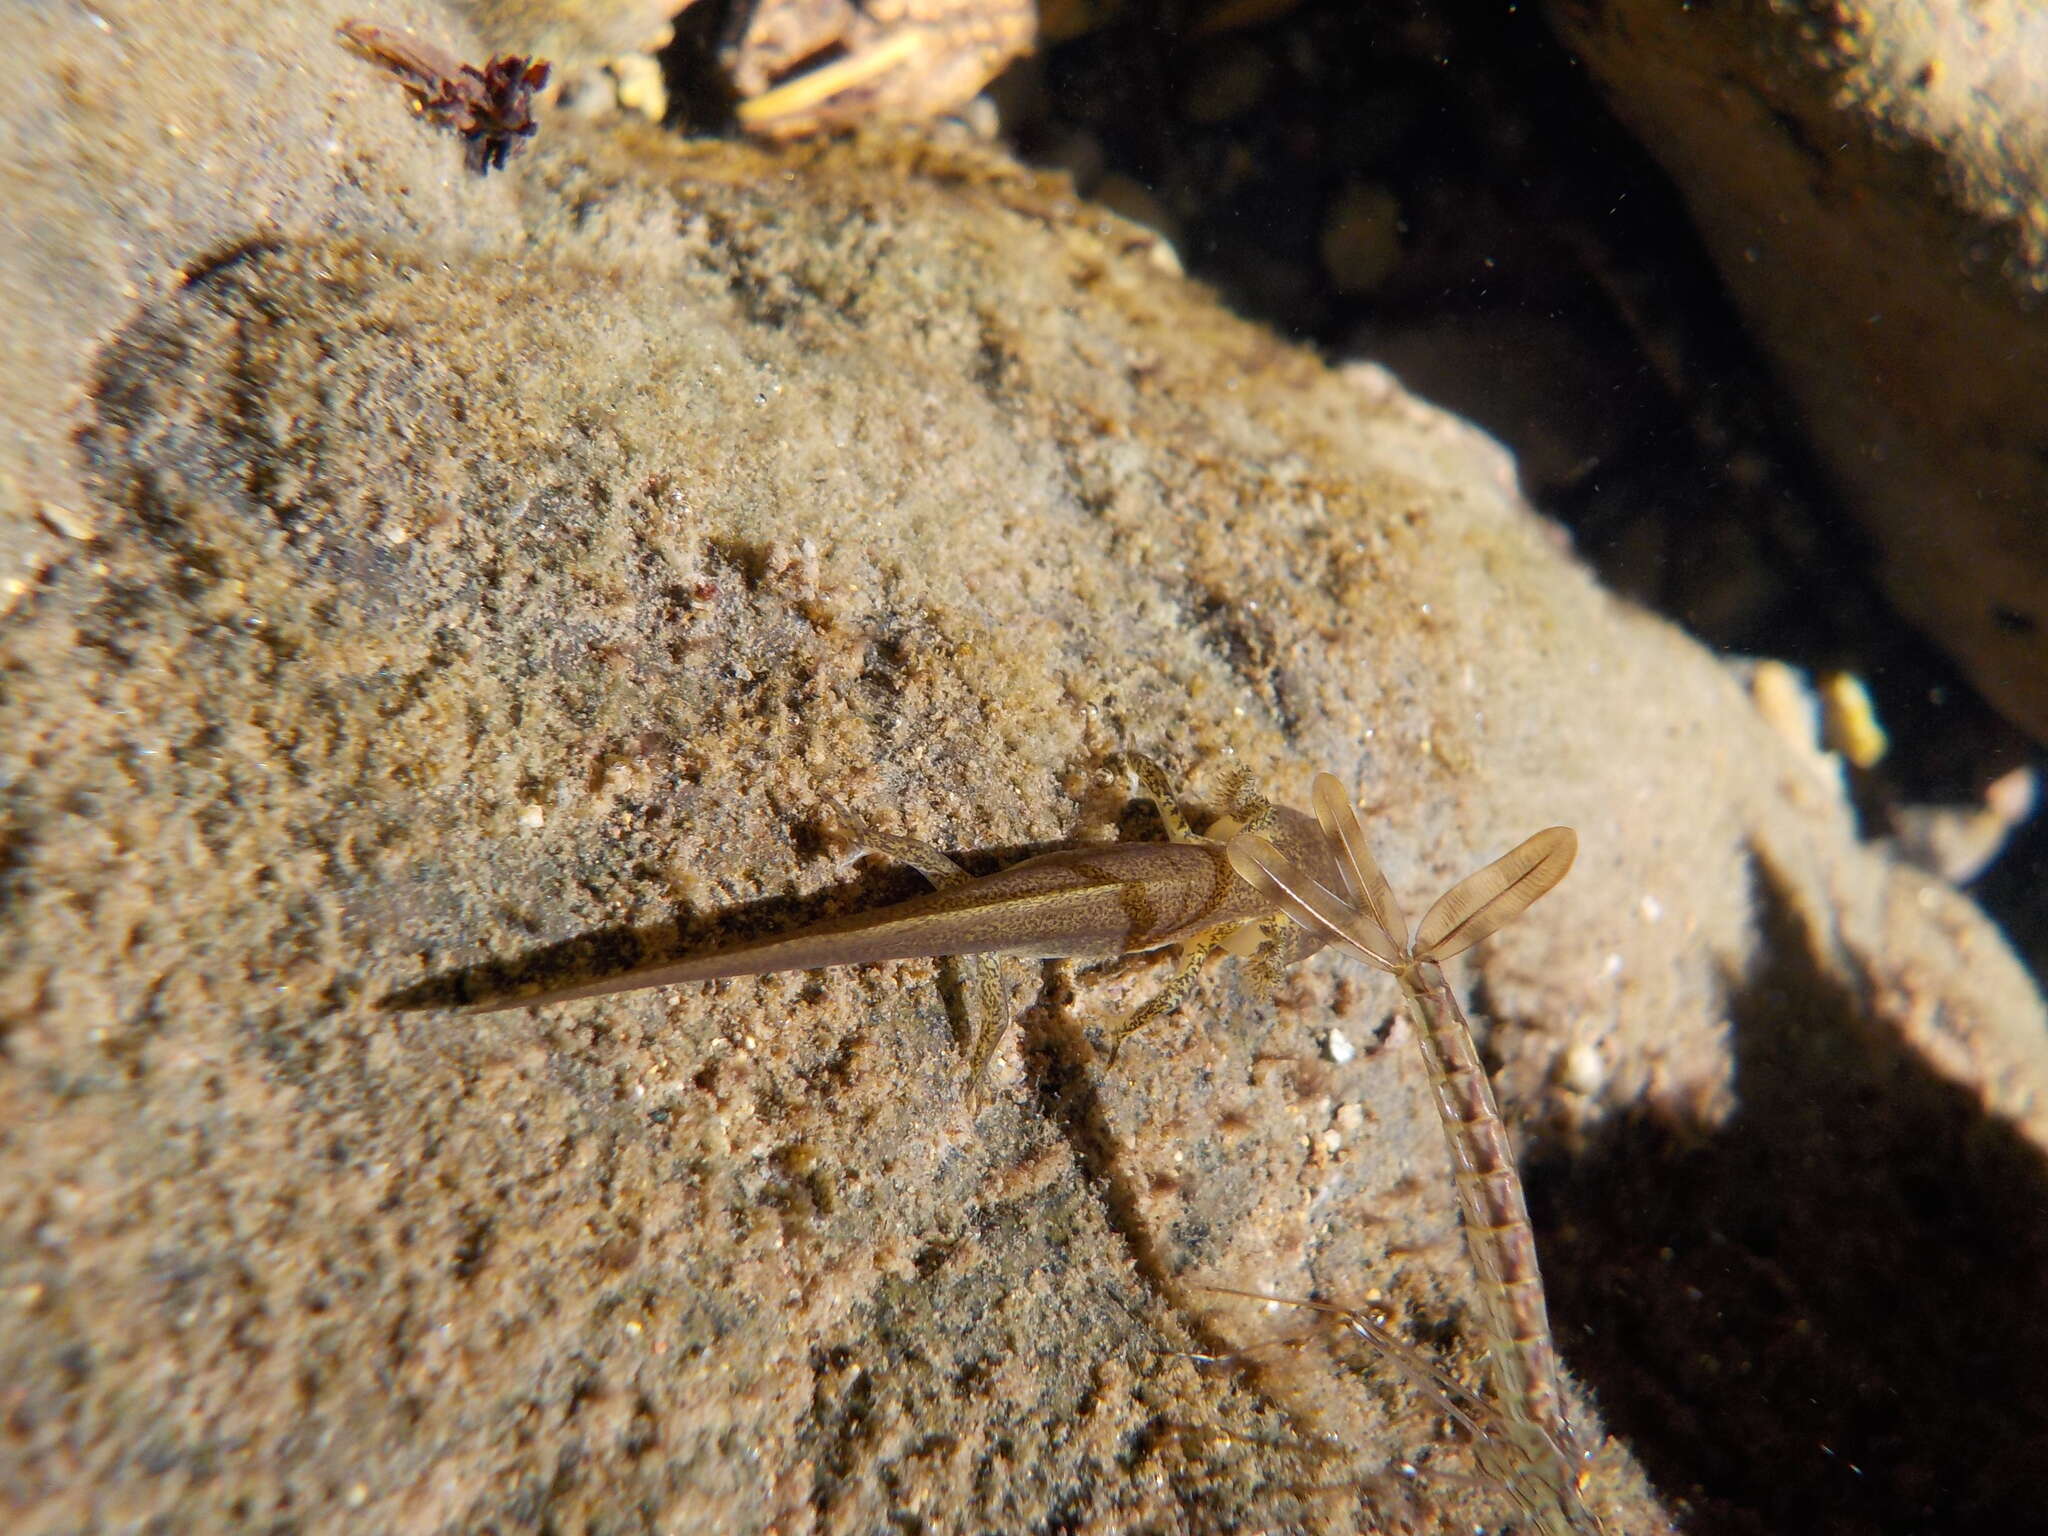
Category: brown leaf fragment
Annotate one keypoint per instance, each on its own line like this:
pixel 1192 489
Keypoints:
pixel 492 107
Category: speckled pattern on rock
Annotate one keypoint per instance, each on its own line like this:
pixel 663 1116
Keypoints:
pixel 458 605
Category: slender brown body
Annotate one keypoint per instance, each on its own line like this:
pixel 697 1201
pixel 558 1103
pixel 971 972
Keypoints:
pixel 1110 899
pixel 1264 883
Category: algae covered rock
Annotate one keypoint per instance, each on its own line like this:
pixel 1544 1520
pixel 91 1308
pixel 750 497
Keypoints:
pixel 464 602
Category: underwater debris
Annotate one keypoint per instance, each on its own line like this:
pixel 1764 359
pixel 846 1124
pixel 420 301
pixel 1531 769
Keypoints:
pixel 492 107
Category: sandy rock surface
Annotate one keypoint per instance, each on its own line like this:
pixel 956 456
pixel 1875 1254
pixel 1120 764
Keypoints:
pixel 1872 180
pixel 490 578
pixel 573 34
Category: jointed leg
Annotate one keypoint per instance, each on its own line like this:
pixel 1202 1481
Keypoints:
pixel 981 976
pixel 1265 965
pixel 922 857
pixel 1252 811
pixel 1156 787
pixel 1174 993
pixel 988 1016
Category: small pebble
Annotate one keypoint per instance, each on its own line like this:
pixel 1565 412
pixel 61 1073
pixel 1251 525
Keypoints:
pixel 638 85
pixel 1849 720
pixel 1780 695
pixel 69 522
pixel 1339 1047
pixel 2011 796
pixel 1584 1070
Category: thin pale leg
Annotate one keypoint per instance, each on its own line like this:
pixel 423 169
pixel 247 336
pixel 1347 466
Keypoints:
pixel 1268 963
pixel 981 976
pixel 1252 811
pixel 1177 988
pixel 1156 787
pixel 1249 810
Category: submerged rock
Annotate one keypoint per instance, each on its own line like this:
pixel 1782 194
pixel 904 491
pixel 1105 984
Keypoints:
pixel 498 577
pixel 1870 179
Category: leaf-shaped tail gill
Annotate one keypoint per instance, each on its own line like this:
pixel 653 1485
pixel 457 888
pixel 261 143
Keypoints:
pixel 1309 902
pixel 1497 894
pixel 1370 892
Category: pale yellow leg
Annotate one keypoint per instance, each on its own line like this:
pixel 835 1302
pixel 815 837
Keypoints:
pixel 981 976
pixel 1252 811
pixel 1174 993
pixel 1156 787
pixel 1264 967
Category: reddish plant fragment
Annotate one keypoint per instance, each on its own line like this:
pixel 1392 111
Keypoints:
pixel 492 107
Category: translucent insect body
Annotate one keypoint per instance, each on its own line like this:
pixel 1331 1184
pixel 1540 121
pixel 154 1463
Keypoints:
pixel 1532 1450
